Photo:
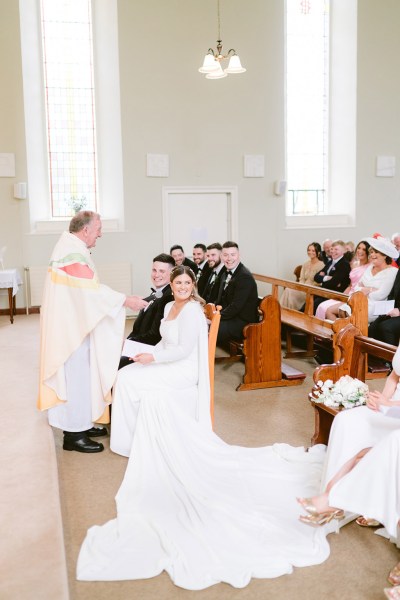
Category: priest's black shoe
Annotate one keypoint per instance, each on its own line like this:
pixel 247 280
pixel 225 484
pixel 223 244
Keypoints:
pixel 82 444
pixel 96 432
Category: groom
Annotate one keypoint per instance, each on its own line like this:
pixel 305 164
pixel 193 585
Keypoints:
pixel 146 328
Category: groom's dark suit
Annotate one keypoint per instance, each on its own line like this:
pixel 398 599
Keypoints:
pixel 146 328
pixel 239 301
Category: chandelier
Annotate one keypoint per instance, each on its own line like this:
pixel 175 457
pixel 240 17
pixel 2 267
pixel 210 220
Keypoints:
pixel 212 60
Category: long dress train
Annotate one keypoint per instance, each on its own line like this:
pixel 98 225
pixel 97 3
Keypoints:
pixel 196 507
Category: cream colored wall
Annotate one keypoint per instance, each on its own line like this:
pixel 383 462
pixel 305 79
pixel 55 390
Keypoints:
pixel 207 126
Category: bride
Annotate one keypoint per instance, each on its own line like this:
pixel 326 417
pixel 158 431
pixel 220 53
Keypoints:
pixel 190 504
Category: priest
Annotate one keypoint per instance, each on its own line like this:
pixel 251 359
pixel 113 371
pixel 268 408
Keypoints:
pixel 81 330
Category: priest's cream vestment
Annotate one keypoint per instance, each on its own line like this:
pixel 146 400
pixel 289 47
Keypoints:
pixel 78 313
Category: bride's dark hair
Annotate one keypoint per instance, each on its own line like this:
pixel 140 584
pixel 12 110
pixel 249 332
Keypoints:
pixel 184 270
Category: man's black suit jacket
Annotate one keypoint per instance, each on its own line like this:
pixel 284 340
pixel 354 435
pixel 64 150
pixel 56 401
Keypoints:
pixel 239 301
pixel 395 291
pixel 203 279
pixel 211 290
pixel 146 328
pixel 385 328
pixel 340 274
pixel 189 263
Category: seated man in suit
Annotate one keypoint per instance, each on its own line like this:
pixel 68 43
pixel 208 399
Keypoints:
pixel 237 295
pixel 326 250
pixel 203 273
pixel 179 257
pixel 386 328
pixel 211 289
pixel 396 241
pixel 336 274
pixel 146 328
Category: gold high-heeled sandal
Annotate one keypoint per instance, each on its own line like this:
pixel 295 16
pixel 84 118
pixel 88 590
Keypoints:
pixel 392 593
pixel 316 518
pixel 365 522
pixel 319 519
pixel 308 506
pixel 394 575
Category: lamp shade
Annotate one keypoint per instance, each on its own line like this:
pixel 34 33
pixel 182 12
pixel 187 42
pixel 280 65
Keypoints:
pixel 217 73
pixel 235 65
pixel 209 64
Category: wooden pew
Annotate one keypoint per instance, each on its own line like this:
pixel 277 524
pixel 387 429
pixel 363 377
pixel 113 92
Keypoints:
pixel 308 323
pixel 354 349
pixel 261 352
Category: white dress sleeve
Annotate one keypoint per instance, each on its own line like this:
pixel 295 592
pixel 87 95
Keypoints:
pixel 385 283
pixel 188 334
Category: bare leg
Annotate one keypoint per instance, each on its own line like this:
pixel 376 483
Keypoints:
pixel 332 312
pixel 321 502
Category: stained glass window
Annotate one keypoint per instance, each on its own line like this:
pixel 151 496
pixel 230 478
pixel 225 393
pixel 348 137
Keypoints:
pixel 70 105
pixel 307 105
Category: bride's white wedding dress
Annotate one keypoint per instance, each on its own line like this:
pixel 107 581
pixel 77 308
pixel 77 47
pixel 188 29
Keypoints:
pixel 190 504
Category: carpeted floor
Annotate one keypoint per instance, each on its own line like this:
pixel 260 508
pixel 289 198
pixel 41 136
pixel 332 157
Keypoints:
pixel 34 566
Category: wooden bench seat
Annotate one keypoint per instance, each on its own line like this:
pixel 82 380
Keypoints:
pixel 307 322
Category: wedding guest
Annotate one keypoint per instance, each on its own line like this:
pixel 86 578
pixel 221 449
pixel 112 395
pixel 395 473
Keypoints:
pixel 204 270
pixel 378 278
pixel 293 298
pixel 361 469
pixel 335 275
pixel 179 257
pixel 326 250
pixel 396 242
pixel 329 309
pixel 211 289
pixel 237 295
pixel 386 328
pixel 349 251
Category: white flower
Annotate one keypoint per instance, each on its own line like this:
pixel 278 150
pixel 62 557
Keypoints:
pixel 347 392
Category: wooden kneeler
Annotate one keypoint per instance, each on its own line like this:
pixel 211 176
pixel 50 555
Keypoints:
pixel 262 352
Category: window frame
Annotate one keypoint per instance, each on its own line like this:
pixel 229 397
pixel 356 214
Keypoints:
pixel 341 192
pixel 108 118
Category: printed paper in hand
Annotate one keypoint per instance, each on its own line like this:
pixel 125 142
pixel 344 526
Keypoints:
pixel 382 307
pixel 132 348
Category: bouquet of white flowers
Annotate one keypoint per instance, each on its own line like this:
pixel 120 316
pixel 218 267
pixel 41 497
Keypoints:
pixel 347 392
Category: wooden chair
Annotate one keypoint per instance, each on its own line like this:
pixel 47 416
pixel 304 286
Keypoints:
pixel 213 314
pixel 297 272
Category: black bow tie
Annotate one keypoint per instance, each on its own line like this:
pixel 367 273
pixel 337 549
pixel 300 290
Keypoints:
pixel 156 293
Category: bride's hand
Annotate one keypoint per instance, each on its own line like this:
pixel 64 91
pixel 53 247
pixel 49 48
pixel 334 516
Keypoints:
pixel 377 399
pixel 144 358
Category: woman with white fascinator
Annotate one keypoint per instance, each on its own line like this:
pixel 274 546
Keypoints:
pixel 379 276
